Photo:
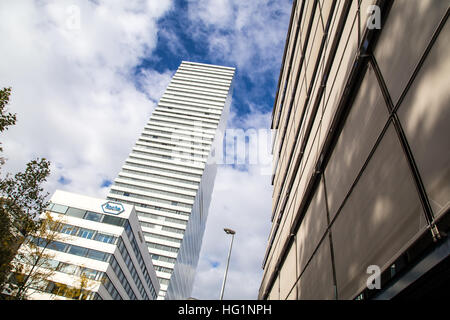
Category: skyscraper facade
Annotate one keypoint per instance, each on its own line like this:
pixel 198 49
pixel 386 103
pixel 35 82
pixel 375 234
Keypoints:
pixel 361 156
pixel 169 174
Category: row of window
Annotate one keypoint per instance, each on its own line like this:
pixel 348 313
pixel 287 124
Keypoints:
pixel 158 217
pixel 140 259
pixel 72 249
pixel 190 103
pixel 217 101
pixel 70 292
pixel 181 120
pixel 161 156
pixel 184 105
pixel 206 84
pixel 154 131
pixel 171 229
pixel 164 228
pixel 191 127
pixel 86 233
pixel 162 247
pixel 220 89
pixel 161 237
pixel 67 268
pixel 130 265
pixel 170 123
pixel 150 167
pixel 142 205
pixel 148 198
pixel 163 269
pixel 122 278
pixel 58 289
pixel 189 112
pixel 158 176
pixel 86 215
pixel 163 281
pixel 215 92
pixel 190 79
pixel 177 84
pixel 175 135
pixel 157 184
pixel 224 76
pixel 171 151
pixel 145 141
pixel 73 269
pixel 163 258
pixel 199 77
pixel 168 114
pixel 159 191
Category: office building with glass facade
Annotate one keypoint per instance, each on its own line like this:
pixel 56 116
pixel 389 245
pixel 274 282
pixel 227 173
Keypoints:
pixel 169 174
pixel 361 155
pixel 92 239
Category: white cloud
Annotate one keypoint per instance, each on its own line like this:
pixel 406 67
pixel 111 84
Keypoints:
pixel 241 201
pixel 212 12
pixel 73 90
pixel 248 34
pixel 154 83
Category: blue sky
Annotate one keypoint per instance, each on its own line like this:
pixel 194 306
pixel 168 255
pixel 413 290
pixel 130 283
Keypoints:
pixel 86 75
pixel 181 39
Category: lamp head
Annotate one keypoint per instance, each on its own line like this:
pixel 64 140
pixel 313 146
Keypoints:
pixel 229 231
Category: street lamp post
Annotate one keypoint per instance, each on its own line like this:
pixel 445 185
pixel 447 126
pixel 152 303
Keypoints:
pixel 232 232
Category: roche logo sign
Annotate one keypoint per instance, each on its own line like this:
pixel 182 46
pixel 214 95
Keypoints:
pixel 113 207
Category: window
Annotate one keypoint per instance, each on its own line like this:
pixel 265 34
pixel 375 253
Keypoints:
pixel 113 220
pixel 67 268
pixel 59 208
pixel 79 251
pixel 105 238
pixel 78 213
pixel 86 233
pixel 58 246
pixel 90 273
pixel 93 216
pixel 51 264
pixel 57 288
pixel 97 255
pixel 68 229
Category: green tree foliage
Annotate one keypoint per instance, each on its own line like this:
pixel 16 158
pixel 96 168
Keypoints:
pixel 22 198
pixel 6 119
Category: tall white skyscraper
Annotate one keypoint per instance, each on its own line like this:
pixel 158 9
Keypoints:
pixel 169 175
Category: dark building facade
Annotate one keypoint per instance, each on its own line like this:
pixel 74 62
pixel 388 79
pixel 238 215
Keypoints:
pixel 362 155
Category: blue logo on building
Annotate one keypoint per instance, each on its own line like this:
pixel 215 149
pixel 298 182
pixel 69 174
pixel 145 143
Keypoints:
pixel 112 207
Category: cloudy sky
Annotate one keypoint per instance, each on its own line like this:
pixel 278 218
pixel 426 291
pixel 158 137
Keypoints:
pixel 86 75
